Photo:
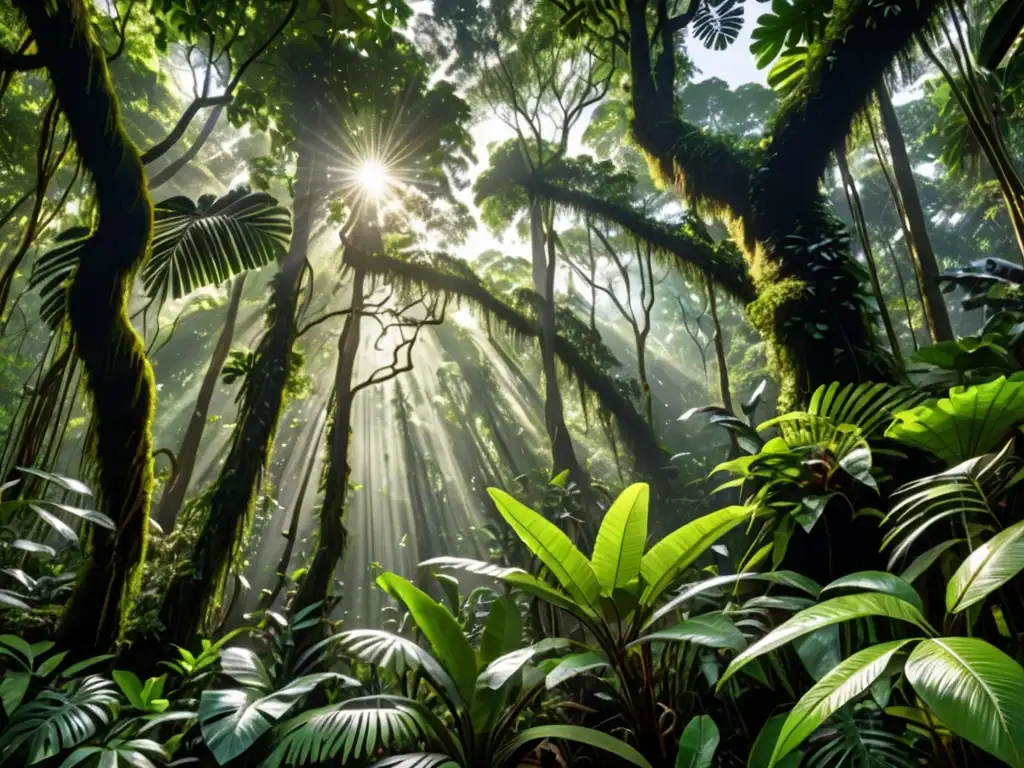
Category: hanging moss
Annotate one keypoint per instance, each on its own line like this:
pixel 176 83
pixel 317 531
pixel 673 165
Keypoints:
pixel 451 277
pixel 118 376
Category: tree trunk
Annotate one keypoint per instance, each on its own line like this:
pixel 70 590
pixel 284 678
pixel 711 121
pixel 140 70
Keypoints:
pixel 188 451
pixel 119 378
pixel 861 227
pixel 723 366
pixel 544 263
pixel 925 266
pixel 194 592
pixel 316 585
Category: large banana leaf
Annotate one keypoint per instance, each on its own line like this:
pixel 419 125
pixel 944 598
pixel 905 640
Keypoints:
pixel 440 628
pixel 845 682
pixel 971 421
pixel 712 630
pixel 976 690
pixel 205 243
pixel 589 736
pixel 572 665
pixel 986 569
pixel 355 730
pixel 826 614
pixel 698 743
pixel 677 551
pixel 621 539
pixel 231 720
pixel 552 547
pixel 499 671
pixel 58 720
pixel 531 585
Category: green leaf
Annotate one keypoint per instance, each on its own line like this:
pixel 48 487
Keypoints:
pixel 573 665
pixel 502 669
pixel 1002 32
pixel 825 614
pixel 926 560
pixel 620 541
pixel 878 581
pixel 970 422
pixel 713 630
pixel 986 569
pixel 440 628
pixel 232 720
pixel 698 743
pixel 589 736
pixel 552 547
pixel 503 630
pixel 976 690
pixel 196 245
pixel 534 586
pixel 761 753
pixel 12 690
pixel 677 551
pixel 130 686
pixel 844 683
pixel 785 578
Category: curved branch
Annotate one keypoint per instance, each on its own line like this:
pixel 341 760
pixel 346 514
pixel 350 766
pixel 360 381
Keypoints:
pixel 691 252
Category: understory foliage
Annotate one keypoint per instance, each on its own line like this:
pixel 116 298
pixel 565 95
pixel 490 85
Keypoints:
pixel 632 480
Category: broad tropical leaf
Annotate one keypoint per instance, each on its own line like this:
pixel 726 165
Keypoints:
pixel 205 243
pixel 440 628
pixel 620 541
pixel 552 547
pixel 848 680
pixel 976 690
pixel 120 753
pixel 712 630
pixel 677 551
pixel 232 720
pixel 986 569
pixel 573 665
pixel 354 730
pixel 698 743
pixel 531 585
pixel 1002 32
pixel 589 736
pixel 502 631
pixel 499 671
pixel 878 581
pixel 59 720
pixel 690 591
pixel 388 651
pixel 970 422
pixel 826 614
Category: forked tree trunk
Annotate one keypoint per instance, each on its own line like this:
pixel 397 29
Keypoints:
pixel 188 451
pixel 119 379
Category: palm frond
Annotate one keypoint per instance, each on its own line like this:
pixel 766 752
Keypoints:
pixel 53 271
pixel 958 495
pixel 869 406
pixel 355 730
pixel 205 243
pixel 59 720
pixel 417 760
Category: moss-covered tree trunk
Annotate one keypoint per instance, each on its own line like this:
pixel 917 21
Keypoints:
pixel 193 593
pixel 563 452
pixel 925 265
pixel 331 537
pixel 118 377
pixel 810 306
pixel 188 451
